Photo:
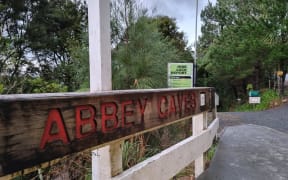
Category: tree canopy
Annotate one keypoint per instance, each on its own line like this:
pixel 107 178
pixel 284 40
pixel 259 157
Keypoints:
pixel 145 46
pixel 35 42
pixel 243 42
pixel 44 46
pixel 142 61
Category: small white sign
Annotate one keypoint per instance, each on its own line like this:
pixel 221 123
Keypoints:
pixel 216 99
pixel 254 100
pixel 202 99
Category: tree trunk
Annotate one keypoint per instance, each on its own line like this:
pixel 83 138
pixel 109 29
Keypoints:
pixel 283 83
pixel 283 68
pixel 235 91
pixel 257 75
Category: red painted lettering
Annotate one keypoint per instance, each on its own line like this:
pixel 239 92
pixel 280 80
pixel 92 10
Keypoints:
pixel 172 108
pixel 80 122
pixel 162 100
pixel 187 103
pixel 180 101
pixel 193 102
pixel 142 108
pixel 125 113
pixel 107 119
pixel 54 117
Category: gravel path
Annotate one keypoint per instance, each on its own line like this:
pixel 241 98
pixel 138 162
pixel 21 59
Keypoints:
pixel 276 118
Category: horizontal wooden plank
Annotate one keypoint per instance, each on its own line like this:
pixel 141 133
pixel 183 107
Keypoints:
pixel 49 96
pixel 41 127
pixel 172 160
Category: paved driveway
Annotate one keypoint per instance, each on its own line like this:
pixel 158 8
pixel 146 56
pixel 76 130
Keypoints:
pixel 254 147
pixel 276 118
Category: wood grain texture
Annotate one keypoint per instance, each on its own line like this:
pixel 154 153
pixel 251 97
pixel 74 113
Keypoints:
pixel 117 114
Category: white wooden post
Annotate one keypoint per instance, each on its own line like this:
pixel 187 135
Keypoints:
pixel 99 45
pixel 101 164
pixel 216 104
pixel 198 125
pixel 106 161
pixel 205 120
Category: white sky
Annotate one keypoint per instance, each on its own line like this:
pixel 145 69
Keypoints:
pixel 184 11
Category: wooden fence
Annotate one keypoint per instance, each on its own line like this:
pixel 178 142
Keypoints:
pixel 38 128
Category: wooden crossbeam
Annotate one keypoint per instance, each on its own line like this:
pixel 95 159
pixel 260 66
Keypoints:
pixel 42 127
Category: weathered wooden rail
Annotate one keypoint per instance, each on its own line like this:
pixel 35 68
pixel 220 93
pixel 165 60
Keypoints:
pixel 37 128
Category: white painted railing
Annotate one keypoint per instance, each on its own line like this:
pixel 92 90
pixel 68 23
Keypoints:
pixel 172 160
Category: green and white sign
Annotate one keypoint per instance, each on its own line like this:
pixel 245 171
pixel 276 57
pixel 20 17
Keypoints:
pixel 180 75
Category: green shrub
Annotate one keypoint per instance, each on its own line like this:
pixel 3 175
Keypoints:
pixel 211 152
pixel 136 150
pixel 38 85
pixel 249 87
pixel 1 88
pixel 267 96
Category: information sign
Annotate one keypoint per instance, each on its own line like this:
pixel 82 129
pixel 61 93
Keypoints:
pixel 180 75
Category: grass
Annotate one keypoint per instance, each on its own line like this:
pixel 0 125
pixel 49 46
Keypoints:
pixel 268 97
pixel 211 152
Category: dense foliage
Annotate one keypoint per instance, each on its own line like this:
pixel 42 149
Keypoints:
pixel 243 42
pixel 269 98
pixel 44 46
pixel 143 47
pixel 36 39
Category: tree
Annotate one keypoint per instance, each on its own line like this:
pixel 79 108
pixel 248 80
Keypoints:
pixel 276 22
pixel 141 47
pixel 54 26
pixel 168 28
pixel 14 17
pixel 79 53
pixel 142 62
pixel 123 14
pixel 35 40
pixel 235 48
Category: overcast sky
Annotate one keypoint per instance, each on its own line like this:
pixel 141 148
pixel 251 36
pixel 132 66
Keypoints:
pixel 184 11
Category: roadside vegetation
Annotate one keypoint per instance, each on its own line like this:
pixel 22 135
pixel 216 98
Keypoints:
pixel 44 48
pixel 243 42
pixel 269 99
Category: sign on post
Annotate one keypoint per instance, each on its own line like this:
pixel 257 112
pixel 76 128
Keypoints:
pixel 254 100
pixel 254 97
pixel 180 75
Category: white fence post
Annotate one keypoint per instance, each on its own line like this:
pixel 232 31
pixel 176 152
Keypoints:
pixel 99 45
pixel 198 126
pixel 101 164
pixel 172 160
pixel 106 161
pixel 116 158
pixel 216 104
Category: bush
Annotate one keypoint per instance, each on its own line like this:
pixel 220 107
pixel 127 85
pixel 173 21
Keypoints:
pixel 1 88
pixel 136 150
pixel 267 97
pixel 38 85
